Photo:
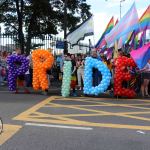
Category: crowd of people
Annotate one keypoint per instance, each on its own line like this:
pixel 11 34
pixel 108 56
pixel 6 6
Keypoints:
pixel 141 77
pixel 140 81
pixel 3 67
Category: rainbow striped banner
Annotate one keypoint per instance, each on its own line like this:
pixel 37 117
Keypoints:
pixel 144 21
pixel 142 39
pixel 127 24
pixel 116 22
pixel 101 43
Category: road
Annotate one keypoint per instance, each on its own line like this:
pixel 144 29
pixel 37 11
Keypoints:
pixel 37 122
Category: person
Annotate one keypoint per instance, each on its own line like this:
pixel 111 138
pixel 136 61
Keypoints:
pixel 146 79
pixel 97 77
pixel 3 67
pixel 59 62
pixel 27 75
pixel 74 75
pixel 80 71
pixel 30 68
pixel 2 74
pixel 21 78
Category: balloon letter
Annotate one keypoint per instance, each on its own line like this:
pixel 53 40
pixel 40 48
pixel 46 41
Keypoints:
pixel 17 65
pixel 42 61
pixel 122 74
pixel 65 91
pixel 91 63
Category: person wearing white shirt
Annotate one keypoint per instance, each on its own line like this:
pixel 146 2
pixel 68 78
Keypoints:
pixel 146 79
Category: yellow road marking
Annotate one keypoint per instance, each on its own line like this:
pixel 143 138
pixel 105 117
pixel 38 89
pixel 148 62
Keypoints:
pixel 58 117
pixel 135 113
pixel 9 131
pixel 104 112
pixel 100 104
pixel 85 98
pixel 81 108
pixel 141 104
pixel 43 115
pixel 34 108
pixel 49 105
pixel 84 123
pixel 110 104
pixel 33 115
pixel 134 107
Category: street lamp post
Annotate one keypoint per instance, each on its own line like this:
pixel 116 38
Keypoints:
pixel 121 6
pixel 65 28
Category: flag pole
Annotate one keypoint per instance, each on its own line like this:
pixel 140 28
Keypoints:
pixel 116 50
pixel 93 33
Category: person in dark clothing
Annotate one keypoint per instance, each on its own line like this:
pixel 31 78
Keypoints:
pixel 97 77
pixel 74 76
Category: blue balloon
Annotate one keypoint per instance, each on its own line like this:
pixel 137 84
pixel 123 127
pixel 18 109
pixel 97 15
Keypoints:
pixel 91 63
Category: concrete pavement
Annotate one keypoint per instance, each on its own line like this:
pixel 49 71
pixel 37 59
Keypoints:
pixel 34 121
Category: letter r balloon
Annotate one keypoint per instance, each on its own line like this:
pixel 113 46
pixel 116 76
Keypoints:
pixel 42 61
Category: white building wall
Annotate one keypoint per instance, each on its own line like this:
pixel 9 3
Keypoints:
pixel 78 49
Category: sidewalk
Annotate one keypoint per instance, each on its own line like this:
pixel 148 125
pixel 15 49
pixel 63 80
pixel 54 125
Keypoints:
pixel 55 89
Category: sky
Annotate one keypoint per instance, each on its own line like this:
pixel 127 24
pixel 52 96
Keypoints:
pixel 103 10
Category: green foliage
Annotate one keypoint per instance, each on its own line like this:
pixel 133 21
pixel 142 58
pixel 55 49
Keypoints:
pixel 46 16
pixel 40 17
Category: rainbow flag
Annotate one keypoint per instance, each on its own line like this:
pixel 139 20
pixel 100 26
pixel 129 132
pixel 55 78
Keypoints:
pixel 144 21
pixel 101 43
pixel 116 22
pixel 126 25
pixel 142 39
pixel 130 37
pixel 109 53
pixel 141 55
pixel 123 40
pixel 134 40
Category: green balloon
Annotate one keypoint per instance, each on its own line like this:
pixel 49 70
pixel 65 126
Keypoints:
pixel 65 90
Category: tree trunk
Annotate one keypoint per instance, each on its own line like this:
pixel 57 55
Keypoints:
pixel 20 23
pixel 29 37
pixel 28 44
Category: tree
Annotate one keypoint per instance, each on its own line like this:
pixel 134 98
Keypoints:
pixel 29 18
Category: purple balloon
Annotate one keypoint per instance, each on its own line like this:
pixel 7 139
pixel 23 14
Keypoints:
pixel 15 70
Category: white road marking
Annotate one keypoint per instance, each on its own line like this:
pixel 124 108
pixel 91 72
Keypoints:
pixel 58 126
pixel 5 92
pixel 141 132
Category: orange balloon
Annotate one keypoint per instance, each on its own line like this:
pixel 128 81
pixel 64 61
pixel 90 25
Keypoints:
pixel 42 61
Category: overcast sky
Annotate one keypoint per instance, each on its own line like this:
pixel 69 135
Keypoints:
pixel 103 10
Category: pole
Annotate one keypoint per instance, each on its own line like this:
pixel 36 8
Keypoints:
pixel 121 6
pixel 115 55
pixel 65 28
pixel 120 9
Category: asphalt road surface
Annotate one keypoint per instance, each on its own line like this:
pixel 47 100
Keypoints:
pixel 38 122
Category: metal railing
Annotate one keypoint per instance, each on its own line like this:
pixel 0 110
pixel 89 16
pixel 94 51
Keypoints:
pixel 9 43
